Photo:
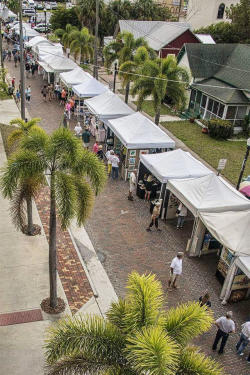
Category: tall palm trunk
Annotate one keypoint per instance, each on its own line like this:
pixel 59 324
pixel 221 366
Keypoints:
pixel 127 92
pixel 29 214
pixel 52 244
pixel 158 114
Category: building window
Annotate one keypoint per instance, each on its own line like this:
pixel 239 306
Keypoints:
pixel 221 11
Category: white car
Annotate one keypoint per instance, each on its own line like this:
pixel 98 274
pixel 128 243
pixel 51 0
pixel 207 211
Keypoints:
pixel 47 6
pixel 29 12
pixel 69 5
pixel 53 5
pixel 42 27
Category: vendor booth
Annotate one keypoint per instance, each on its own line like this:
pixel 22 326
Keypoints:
pixel 38 40
pixel 89 88
pixel 177 164
pixel 58 64
pixel 28 32
pixel 74 77
pixel 108 106
pixel 231 229
pixel 134 135
pixel 42 50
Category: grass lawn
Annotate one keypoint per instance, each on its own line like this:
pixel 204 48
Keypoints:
pixel 148 107
pixel 211 150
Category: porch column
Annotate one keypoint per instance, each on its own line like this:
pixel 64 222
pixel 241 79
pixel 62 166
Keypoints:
pixel 224 112
pixel 226 289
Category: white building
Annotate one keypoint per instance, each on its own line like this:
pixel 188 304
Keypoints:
pixel 201 13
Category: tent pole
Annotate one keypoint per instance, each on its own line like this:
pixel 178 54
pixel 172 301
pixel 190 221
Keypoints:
pixel 226 289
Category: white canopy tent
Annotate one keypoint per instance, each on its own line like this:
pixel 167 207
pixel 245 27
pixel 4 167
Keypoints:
pixel 244 264
pixel 89 88
pixel 38 40
pixel 208 194
pixel 74 77
pixel 138 132
pixel 230 228
pixel 59 63
pixel 108 106
pixel 28 32
pixel 174 165
pixel 43 51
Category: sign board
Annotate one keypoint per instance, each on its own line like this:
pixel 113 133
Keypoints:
pixel 222 164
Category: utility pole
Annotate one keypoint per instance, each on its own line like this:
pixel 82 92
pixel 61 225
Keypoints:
pixel 115 74
pixel 1 44
pixel 22 77
pixel 95 70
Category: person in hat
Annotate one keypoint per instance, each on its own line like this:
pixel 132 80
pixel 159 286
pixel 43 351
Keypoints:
pixel 182 214
pixel 175 270
pixel 155 217
pixel 225 326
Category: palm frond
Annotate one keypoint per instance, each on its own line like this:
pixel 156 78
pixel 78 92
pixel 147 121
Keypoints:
pixel 65 197
pixel 17 207
pixel 63 142
pixel 92 336
pixel 187 321
pixel 36 141
pixel 84 199
pixel 78 364
pixel 14 137
pixel 192 362
pixel 152 352
pixel 144 301
pixel 117 313
pixel 88 164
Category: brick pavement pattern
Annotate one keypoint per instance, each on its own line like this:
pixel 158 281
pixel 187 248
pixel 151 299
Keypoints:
pixel 72 275
pixel 117 230
pixel 21 317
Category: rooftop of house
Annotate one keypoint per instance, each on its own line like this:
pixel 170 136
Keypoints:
pixel 157 33
pixel 228 63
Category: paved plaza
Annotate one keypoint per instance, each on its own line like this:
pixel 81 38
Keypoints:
pixel 117 230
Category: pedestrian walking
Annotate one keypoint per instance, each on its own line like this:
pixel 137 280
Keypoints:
pixel 18 96
pixel 63 96
pixel 9 54
pixel 44 92
pixel 86 138
pixel 5 53
pixel 13 82
pixel 175 270
pixel 68 109
pixel 115 166
pixel 95 147
pixel 100 153
pixel 15 59
pixel 181 213
pixel 108 155
pixel 244 338
pixel 155 217
pixel 132 185
pixel 50 92
pixel 28 93
pixel 78 130
pixel 205 300
pixel 225 326
pixel 148 186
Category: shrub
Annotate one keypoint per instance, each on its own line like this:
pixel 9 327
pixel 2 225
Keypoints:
pixel 220 129
pixel 245 125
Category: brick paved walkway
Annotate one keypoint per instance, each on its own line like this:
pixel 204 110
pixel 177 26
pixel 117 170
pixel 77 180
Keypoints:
pixel 117 230
pixel 72 275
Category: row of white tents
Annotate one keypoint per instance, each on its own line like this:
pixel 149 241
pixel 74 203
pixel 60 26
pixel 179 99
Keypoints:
pixel 224 211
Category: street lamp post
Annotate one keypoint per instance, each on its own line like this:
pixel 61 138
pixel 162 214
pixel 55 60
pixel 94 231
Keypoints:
pixel 22 78
pixel 243 164
pixel 45 16
pixel 115 74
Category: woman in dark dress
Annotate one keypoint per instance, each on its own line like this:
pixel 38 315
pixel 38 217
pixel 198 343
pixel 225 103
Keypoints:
pixel 205 300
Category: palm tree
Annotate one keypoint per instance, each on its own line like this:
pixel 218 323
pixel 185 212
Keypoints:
pixel 128 70
pixel 160 78
pixel 62 157
pixel 124 49
pixel 81 43
pixel 26 188
pixel 65 35
pixel 138 337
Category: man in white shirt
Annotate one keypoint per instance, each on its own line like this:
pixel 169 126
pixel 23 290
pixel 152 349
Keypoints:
pixel 78 130
pixel 244 338
pixel 175 270
pixel 109 155
pixel 225 326
pixel 115 166
pixel 182 213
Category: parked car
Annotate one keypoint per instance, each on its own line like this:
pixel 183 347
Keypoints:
pixel 69 5
pixel 39 6
pixel 29 12
pixel 42 27
pixel 47 6
pixel 53 5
